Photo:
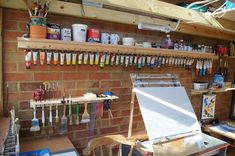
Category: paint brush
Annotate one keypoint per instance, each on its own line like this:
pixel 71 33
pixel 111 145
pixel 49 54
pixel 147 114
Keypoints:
pixel 43 131
pixel 64 120
pixel 70 111
pixel 85 115
pixel 35 124
pixel 77 114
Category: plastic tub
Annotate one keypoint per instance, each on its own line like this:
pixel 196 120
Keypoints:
pixel 79 32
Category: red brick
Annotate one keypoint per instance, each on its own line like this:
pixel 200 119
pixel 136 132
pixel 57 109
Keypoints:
pixel 25 115
pixel 18 76
pixel 120 120
pixel 102 122
pixel 47 76
pixel 108 84
pixel 125 112
pixel 11 35
pixel 9 46
pixel 79 127
pixel 99 76
pixel 9 25
pixel 67 85
pixel 22 26
pixel 75 76
pixel 120 76
pixel 108 130
pixel 24 105
pixel 30 86
pixel 82 134
pixel 118 91
pixel 88 68
pixel 88 84
pixel 9 67
pixel 25 95
pixel 25 124
pixel 62 68
pixel 38 67
pixel 10 14
pixel 137 118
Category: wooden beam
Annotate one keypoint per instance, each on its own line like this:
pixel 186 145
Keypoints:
pixel 155 7
pixel 72 9
pixel 1 79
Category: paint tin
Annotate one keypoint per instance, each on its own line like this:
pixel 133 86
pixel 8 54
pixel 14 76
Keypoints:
pixel 66 34
pixel 53 31
pixel 93 35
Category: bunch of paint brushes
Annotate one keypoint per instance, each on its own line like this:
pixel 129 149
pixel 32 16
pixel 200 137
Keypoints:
pixel 61 125
pixel 37 7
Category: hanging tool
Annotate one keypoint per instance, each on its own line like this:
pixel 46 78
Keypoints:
pixel 85 115
pixel 64 120
pixel 35 123
pixel 77 113
pixel 70 111
pixel 50 129
pixel 43 130
pixel 225 70
pixel 107 106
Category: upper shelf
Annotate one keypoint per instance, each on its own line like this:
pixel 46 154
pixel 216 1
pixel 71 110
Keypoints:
pixel 98 47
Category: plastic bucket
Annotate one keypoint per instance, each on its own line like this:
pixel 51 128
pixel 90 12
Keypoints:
pixel 79 32
pixel 38 27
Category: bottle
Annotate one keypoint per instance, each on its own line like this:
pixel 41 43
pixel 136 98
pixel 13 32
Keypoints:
pixel 176 45
pixel 168 42
pixel 181 45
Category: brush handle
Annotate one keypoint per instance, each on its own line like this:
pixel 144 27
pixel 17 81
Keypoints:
pixel 64 110
pixel 43 117
pixel 56 112
pixel 34 112
pixel 50 115
pixel 85 108
pixel 77 113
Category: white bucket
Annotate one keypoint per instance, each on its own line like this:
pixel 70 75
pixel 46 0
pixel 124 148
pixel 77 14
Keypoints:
pixel 79 32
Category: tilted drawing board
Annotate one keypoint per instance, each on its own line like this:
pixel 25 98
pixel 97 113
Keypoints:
pixel 167 112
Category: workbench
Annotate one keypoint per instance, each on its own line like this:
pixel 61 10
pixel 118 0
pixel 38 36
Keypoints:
pixel 213 145
pixel 58 146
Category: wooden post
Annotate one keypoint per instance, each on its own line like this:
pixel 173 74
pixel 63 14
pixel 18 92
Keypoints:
pixel 131 114
pixel 1 81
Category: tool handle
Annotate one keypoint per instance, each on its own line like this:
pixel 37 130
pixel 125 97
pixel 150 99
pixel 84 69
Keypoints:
pixel 64 109
pixel 34 112
pixel 85 108
pixel 50 115
pixel 70 109
pixel 43 116
pixel 56 112
pixel 77 109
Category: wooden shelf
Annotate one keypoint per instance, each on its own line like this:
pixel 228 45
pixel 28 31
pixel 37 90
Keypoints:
pixel 79 100
pixel 98 47
pixel 221 90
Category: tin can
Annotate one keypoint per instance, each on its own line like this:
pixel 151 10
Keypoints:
pixel 93 35
pixel 53 31
pixel 66 34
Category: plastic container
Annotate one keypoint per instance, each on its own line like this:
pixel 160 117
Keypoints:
pixel 79 32
pixel 200 85
pixel 93 35
pixel 53 31
pixel 38 27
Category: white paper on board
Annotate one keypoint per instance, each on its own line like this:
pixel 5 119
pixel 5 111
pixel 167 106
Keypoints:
pixel 166 111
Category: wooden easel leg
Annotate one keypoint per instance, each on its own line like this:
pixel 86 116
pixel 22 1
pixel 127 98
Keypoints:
pixel 131 114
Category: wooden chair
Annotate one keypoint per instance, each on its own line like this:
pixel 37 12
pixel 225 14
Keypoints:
pixel 110 141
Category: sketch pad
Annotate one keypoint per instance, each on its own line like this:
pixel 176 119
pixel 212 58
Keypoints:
pixel 166 111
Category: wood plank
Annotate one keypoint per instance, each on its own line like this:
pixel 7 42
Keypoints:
pixel 98 47
pixel 72 9
pixel 163 9
pixel 1 80
pixel 198 30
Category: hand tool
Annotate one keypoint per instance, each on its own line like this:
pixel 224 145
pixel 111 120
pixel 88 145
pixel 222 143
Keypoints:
pixel 64 120
pixel 77 113
pixel 85 115
pixel 70 111
pixel 43 130
pixel 35 123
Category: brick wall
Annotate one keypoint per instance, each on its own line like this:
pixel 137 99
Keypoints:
pixel 82 78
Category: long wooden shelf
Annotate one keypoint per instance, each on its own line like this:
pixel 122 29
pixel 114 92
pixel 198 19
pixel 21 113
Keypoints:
pixel 30 43
pixel 221 90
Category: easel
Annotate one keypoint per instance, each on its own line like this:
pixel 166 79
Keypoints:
pixel 146 80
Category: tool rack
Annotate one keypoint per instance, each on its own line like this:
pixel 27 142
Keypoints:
pixel 79 100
